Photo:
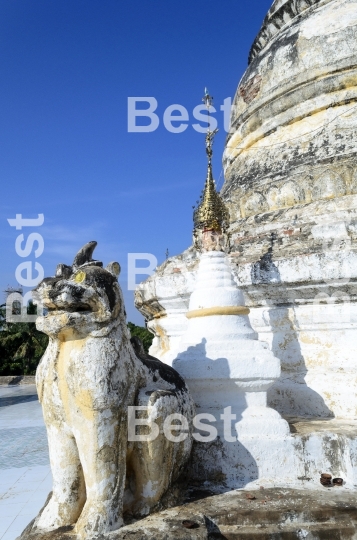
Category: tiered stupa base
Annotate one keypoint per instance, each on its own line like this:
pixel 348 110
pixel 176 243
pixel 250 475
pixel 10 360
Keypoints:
pixel 229 371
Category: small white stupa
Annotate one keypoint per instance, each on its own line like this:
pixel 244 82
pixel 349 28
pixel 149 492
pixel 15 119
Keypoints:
pixel 226 367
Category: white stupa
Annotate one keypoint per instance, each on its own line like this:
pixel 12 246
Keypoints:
pixel 226 367
pixel 240 441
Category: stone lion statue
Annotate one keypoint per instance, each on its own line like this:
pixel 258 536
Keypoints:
pixel 88 379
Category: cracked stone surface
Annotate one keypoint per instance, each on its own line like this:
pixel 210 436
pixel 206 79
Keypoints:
pixel 326 514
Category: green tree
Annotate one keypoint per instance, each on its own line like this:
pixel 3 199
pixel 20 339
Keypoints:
pixel 21 345
pixel 142 333
pixel 2 316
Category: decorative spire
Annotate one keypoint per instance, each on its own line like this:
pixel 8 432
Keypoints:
pixel 211 213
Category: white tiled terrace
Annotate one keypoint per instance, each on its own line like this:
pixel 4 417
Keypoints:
pixel 25 476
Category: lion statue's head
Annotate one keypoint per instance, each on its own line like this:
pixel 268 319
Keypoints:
pixel 82 299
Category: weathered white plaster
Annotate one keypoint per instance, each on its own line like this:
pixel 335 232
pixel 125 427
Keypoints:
pixel 225 365
pixel 322 24
pixel 167 318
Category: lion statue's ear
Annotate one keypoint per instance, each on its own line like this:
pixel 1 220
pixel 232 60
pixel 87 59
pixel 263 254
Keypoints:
pixel 114 268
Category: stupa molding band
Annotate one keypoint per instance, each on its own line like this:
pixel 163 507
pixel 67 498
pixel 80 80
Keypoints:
pixel 218 310
pixel 279 17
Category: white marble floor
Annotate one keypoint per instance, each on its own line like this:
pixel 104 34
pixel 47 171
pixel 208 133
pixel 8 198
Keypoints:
pixel 25 476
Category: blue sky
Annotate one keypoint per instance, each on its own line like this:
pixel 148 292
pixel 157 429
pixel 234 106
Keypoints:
pixel 67 69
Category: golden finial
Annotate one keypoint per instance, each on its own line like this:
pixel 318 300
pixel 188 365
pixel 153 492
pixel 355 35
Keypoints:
pixel 211 214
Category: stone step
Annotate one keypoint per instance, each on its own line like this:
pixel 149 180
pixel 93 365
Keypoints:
pixel 323 531
pixel 274 514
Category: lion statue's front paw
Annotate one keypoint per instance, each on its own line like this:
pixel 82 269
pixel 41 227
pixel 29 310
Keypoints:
pixel 56 515
pixel 96 520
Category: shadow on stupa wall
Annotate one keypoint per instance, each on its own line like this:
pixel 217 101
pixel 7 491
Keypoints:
pixel 212 461
pixel 290 394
